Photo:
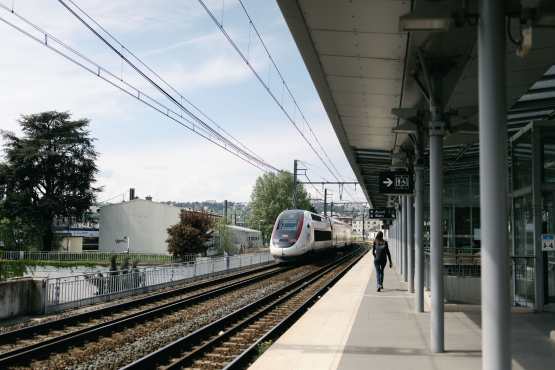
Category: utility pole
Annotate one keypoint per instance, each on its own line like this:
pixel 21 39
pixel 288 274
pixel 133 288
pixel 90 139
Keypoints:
pixel 325 202
pixel 225 211
pixel 295 185
pixel 331 209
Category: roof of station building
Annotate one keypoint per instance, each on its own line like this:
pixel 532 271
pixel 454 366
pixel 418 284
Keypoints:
pixel 362 68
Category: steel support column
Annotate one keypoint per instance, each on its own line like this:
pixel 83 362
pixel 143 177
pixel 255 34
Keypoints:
pixel 436 243
pixel 419 243
pixel 436 133
pixel 539 286
pixel 410 244
pixel 404 244
pixel 496 326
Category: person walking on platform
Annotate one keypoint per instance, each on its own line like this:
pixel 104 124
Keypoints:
pixel 380 250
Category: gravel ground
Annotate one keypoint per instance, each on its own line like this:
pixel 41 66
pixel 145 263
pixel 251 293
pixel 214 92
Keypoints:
pixel 150 343
pixel 120 349
pixel 36 321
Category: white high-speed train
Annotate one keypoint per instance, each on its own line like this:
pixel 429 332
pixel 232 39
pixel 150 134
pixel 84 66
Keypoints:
pixel 302 234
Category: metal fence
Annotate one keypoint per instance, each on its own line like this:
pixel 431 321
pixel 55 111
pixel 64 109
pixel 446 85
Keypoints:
pixel 94 256
pixel 79 290
pixel 462 274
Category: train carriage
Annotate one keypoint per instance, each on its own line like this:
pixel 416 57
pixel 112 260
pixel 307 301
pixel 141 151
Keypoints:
pixel 302 234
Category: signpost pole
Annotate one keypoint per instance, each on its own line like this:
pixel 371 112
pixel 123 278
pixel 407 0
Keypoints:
pixel 398 244
pixel 405 212
pixel 410 244
pixel 419 244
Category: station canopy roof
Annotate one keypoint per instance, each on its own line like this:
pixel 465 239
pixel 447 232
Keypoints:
pixel 362 67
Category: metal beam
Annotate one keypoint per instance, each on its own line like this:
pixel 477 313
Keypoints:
pixel 548 103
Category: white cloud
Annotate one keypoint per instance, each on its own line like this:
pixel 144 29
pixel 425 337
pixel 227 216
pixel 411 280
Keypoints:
pixel 139 147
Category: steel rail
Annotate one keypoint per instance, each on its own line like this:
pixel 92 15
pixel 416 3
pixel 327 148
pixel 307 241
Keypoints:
pixel 110 310
pixel 247 355
pixel 235 319
pixel 57 344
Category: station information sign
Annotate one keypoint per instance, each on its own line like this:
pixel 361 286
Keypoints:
pixel 382 213
pixel 388 222
pixel 395 183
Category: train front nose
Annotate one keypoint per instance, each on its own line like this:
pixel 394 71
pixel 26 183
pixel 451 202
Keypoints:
pixel 284 239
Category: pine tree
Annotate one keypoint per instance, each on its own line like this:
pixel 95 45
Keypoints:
pixel 49 172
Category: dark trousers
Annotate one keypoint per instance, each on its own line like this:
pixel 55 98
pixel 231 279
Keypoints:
pixel 380 265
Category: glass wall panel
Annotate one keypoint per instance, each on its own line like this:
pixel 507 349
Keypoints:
pixel 461 186
pixel 522 163
pixel 448 232
pixel 475 186
pixel 448 186
pixel 524 246
pixel 463 244
pixel 547 228
pixel 462 220
pixel 524 226
pixel 548 159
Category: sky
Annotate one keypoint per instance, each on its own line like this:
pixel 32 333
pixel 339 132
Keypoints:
pixel 141 147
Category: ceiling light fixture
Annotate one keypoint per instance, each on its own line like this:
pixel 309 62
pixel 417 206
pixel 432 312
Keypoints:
pixel 425 19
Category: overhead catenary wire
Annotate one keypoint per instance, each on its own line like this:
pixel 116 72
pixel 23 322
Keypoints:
pixel 308 140
pixel 137 93
pixel 323 178
pixel 267 86
pixel 163 92
pixel 161 79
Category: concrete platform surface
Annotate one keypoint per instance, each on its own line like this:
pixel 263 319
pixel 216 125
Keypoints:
pixel 355 327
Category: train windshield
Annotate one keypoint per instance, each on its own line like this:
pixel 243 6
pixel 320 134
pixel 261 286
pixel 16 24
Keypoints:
pixel 288 228
pixel 288 224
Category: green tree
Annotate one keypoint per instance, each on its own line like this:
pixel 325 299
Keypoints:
pixel 223 236
pixel 271 195
pixel 191 234
pixel 17 235
pixel 49 172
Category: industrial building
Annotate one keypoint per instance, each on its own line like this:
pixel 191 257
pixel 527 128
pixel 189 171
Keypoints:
pixel 144 223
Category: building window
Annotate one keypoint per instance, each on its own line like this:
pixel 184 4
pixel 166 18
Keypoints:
pixel 90 244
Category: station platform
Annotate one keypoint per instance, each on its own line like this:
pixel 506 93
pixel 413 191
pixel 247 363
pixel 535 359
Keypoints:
pixel 355 327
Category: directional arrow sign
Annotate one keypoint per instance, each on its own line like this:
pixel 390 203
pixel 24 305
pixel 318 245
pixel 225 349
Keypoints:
pixel 396 183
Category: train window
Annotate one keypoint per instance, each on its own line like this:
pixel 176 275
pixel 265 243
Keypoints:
pixel 287 224
pixel 316 218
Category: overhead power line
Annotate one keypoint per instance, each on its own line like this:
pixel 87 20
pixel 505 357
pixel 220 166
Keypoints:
pixel 326 180
pixel 159 88
pixel 318 147
pixel 161 79
pixel 208 134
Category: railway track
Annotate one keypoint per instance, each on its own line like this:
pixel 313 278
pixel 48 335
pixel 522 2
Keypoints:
pixel 51 340
pixel 92 339
pixel 129 303
pixel 231 341
pixel 276 327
